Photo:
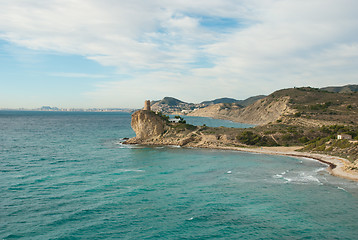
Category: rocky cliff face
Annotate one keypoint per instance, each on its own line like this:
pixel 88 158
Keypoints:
pixel 261 112
pixel 264 111
pixel 146 124
pixel 152 129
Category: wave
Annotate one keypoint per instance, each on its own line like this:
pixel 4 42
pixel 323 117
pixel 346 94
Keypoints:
pixel 299 177
pixel 130 170
pixel 120 144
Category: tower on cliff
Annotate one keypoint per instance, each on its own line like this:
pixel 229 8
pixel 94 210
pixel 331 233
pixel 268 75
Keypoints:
pixel 147 105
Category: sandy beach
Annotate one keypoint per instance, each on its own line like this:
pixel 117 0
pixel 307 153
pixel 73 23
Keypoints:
pixel 336 164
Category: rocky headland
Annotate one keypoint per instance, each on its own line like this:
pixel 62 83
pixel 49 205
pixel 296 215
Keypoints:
pixel 308 119
pixel 155 129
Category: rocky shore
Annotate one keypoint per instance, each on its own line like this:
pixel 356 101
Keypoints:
pixel 153 129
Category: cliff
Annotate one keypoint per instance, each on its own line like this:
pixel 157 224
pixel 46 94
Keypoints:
pixel 296 106
pixel 146 124
pixel 261 112
pixel 153 129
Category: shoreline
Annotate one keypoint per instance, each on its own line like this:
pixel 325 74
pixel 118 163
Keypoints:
pixel 336 165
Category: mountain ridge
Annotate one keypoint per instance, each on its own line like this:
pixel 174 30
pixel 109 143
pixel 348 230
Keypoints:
pixel 314 105
pixel 342 89
pixel 171 105
pixel 311 106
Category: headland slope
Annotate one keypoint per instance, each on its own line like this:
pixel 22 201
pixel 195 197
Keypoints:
pixel 323 124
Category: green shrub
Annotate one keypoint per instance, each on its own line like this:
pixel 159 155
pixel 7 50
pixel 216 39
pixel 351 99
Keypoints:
pixel 303 139
pixel 287 137
pixel 164 117
pixel 183 126
pixel 249 138
pixel 298 114
pixel 342 143
pixel 321 148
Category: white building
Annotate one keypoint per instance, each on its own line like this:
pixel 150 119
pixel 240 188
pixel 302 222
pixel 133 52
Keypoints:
pixel 344 136
pixel 174 120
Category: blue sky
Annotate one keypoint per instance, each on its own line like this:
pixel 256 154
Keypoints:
pixel 91 53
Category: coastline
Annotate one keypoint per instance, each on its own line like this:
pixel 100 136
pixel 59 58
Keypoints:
pixel 336 164
pixel 153 130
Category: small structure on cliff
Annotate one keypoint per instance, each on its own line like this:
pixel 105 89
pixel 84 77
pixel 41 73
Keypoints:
pixel 147 105
pixel 174 120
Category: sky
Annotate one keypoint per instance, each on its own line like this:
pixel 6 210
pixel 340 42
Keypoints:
pixel 117 53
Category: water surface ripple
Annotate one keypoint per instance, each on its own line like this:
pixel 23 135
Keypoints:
pixel 67 176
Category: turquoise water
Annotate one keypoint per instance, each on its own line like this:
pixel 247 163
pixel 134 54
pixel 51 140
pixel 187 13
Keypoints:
pixel 211 122
pixel 67 176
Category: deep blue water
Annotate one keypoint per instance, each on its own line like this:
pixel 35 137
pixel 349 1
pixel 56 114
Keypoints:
pixel 67 176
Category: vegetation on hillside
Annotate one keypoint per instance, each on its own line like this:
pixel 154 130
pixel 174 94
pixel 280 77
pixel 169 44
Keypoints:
pixel 342 148
pixel 316 104
pixel 250 138
pixel 343 89
pixel 318 118
pixel 180 126
pixel 163 116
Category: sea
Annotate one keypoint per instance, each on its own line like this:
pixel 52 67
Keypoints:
pixel 67 175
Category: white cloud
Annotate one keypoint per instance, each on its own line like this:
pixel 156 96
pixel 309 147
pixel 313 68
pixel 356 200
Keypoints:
pixel 167 50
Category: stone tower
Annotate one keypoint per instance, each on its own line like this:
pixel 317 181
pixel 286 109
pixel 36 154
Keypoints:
pixel 147 105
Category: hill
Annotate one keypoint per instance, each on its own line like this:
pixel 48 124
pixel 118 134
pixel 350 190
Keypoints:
pixel 307 117
pixel 343 89
pixel 260 112
pixel 316 105
pixel 220 100
pixel 250 100
pixel 306 105
pixel 170 101
pixel 243 103
pixel 170 105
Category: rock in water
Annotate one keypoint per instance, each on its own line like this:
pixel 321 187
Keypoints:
pixel 147 124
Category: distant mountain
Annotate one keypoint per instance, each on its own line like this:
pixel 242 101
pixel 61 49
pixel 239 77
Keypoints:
pixel 170 105
pixel 343 89
pixel 250 100
pixel 243 103
pixel 170 101
pixel 220 100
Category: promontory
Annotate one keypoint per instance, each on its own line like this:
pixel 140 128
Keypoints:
pixel 304 122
